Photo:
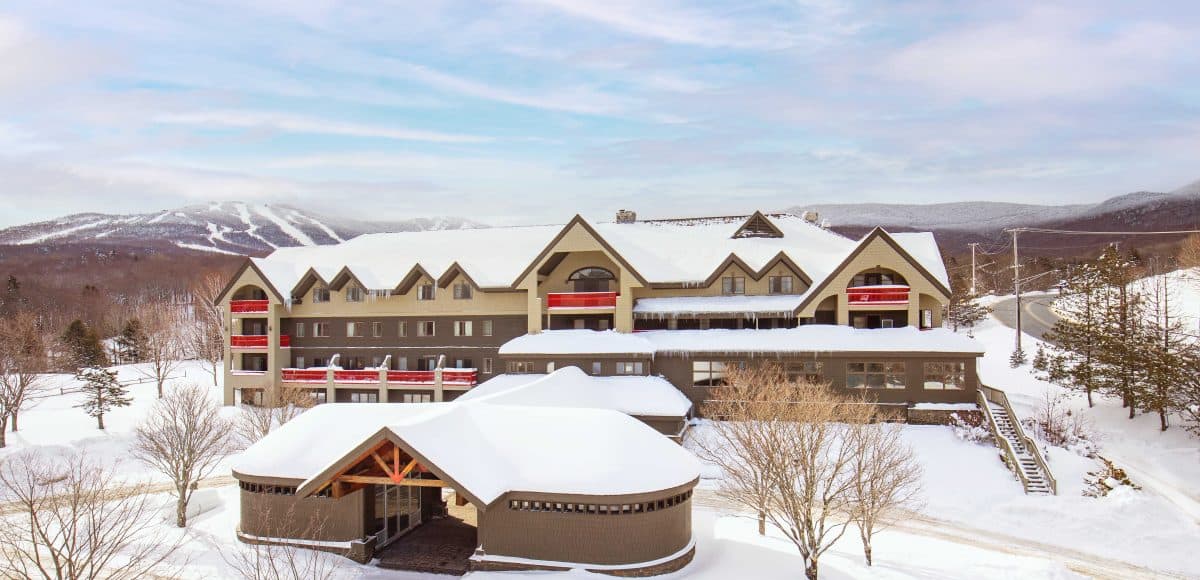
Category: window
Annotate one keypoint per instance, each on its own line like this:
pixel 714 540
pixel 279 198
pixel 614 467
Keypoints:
pixel 321 329
pixel 401 363
pixel 602 324
pixel 712 373
pixel 520 367
pixel 355 329
pixel 485 327
pixel 355 294
pixel 299 330
pixel 425 292
pixel 318 362
pixel 462 328
pixel 319 396
pixel 597 368
pixel 377 329
pixel 463 363
pixel 875 375
pixel 945 375
pixel 403 328
pixel 417 398
pixel 462 291
pixel 320 295
pixel 733 285
pixel 487 366
pixel 780 284
pixel 629 368
pixel 376 362
pixel 426 328
pixel 810 371
pixel 591 279
pixel 364 397
pixel 300 362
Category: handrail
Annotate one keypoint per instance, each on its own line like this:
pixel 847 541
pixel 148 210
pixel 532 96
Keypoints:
pixel 1006 447
pixel 1001 398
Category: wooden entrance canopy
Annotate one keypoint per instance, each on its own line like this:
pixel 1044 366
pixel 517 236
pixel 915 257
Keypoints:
pixel 384 464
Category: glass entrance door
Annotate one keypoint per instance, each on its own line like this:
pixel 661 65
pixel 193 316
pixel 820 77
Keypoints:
pixel 397 510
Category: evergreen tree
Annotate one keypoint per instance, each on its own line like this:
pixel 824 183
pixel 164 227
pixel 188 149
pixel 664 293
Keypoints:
pixel 102 393
pixel 1120 334
pixel 1165 355
pixel 82 346
pixel 132 341
pixel 964 309
pixel 1017 358
pixel 1073 359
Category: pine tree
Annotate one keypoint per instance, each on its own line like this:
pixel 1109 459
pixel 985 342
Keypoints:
pixel 1120 336
pixel 1164 356
pixel 102 393
pixel 964 309
pixel 1017 358
pixel 132 341
pixel 82 346
pixel 1073 359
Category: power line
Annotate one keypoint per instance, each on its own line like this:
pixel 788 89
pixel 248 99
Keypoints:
pixel 1083 232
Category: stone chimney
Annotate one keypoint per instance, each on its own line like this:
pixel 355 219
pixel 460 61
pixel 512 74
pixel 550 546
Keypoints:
pixel 625 216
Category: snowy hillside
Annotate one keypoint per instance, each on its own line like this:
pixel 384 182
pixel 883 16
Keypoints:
pixel 230 227
pixel 991 216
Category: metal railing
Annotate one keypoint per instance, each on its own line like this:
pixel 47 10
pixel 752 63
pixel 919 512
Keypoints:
pixel 988 394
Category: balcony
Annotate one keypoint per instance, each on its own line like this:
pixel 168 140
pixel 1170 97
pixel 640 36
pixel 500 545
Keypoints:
pixel 249 306
pixel 450 377
pixel 355 376
pixel 305 375
pixel 566 300
pixel 891 295
pixel 257 341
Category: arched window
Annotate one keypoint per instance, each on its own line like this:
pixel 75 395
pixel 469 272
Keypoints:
pixel 591 279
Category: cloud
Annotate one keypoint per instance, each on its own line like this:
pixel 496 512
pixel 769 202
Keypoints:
pixel 32 62
pixel 298 124
pixel 1047 53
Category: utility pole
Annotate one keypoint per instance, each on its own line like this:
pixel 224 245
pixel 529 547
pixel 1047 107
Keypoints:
pixel 1017 285
pixel 973 246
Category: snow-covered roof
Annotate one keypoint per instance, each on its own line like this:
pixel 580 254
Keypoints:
pixel 668 251
pixel 487 448
pixel 807 338
pixel 692 305
pixel 573 341
pixel 643 396
pixel 811 338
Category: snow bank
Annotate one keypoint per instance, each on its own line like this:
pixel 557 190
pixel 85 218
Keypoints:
pixel 571 387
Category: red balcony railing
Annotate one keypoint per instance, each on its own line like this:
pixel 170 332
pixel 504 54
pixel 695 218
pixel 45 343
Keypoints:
pixel 244 306
pixel 581 299
pixel 285 341
pixel 356 376
pixel 248 341
pixel 411 377
pixel 871 295
pixel 304 375
pixel 459 377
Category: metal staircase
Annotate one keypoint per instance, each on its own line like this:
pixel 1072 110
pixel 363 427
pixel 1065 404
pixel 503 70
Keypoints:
pixel 1020 451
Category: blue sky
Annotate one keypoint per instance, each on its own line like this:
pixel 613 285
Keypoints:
pixel 530 111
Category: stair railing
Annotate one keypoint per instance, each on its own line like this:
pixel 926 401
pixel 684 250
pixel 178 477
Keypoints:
pixel 999 397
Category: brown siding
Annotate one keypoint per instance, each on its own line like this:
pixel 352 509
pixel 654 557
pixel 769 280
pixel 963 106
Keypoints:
pixel 312 518
pixel 678 370
pixel 608 362
pixel 586 538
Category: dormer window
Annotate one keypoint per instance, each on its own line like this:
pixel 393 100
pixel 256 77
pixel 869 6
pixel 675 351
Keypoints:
pixel 779 284
pixel 462 291
pixel 320 294
pixel 425 291
pixel 355 294
pixel 731 285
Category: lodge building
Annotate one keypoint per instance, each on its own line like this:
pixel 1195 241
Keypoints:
pixel 541 373
pixel 368 320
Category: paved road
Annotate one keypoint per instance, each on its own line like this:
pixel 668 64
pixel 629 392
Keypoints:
pixel 1036 316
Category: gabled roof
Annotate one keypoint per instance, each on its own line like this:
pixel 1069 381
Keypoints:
pixel 487 449
pixel 758 226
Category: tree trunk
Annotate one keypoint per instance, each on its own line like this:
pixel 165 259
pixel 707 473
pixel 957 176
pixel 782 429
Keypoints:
pixel 2 434
pixel 160 384
pixel 12 417
pixel 810 568
pixel 1089 396
pixel 762 523
pixel 1162 418
pixel 100 421
pixel 865 535
pixel 181 511
pixel 214 373
pixel 867 553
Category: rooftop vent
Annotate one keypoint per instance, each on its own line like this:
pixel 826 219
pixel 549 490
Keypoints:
pixel 625 216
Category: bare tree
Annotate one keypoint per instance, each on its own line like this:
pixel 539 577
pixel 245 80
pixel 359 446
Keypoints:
pixel 256 421
pixel 184 438
pixel 794 434
pixel 163 350
pixel 204 334
pixel 1189 252
pixel 66 522
pixel 22 362
pixel 259 560
pixel 887 479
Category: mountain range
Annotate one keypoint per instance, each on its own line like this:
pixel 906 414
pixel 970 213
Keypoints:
pixel 228 228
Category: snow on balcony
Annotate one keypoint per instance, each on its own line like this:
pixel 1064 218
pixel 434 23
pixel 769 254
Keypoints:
pixel 597 300
pixel 249 306
pixel 877 295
